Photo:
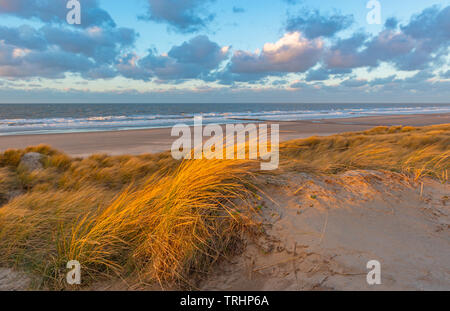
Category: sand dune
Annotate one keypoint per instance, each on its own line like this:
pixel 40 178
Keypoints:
pixel 324 215
pixel 320 236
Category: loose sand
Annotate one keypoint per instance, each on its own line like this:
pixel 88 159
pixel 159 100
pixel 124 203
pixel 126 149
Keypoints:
pixel 322 230
pixel 11 280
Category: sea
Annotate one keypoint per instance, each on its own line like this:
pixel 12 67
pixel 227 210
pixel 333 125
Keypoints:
pixel 19 119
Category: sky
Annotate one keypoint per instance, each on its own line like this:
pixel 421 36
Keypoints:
pixel 225 51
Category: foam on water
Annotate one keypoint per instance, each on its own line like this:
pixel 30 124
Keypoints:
pixel 38 119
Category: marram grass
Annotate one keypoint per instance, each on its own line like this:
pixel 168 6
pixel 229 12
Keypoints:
pixel 422 151
pixel 171 226
pixel 165 221
pixel 164 228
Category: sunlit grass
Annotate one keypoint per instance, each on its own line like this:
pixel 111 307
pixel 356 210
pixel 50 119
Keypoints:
pixel 171 226
pixel 164 224
pixel 419 151
pixel 169 221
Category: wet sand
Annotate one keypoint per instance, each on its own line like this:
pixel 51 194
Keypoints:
pixel 159 140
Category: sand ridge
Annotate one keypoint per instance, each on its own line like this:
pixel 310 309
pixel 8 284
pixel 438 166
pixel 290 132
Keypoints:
pixel 322 230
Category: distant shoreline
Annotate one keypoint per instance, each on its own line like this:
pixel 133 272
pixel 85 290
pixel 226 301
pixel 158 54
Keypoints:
pixel 18 120
pixel 81 144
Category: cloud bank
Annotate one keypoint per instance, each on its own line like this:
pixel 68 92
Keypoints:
pixel 312 48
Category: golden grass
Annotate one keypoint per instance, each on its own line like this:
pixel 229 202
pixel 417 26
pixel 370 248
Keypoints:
pixel 33 228
pixel 418 151
pixel 167 221
pixel 8 183
pixel 169 227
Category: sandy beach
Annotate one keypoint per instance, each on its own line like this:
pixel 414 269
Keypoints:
pixel 136 142
pixel 335 203
pixel 231 153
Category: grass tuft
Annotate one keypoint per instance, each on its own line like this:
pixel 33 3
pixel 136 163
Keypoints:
pixel 168 221
pixel 418 151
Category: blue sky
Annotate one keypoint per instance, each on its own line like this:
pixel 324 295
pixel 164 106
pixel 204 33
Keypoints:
pixel 224 51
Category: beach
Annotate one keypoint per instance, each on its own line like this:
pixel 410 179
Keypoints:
pixel 134 142
pixel 364 189
pixel 224 147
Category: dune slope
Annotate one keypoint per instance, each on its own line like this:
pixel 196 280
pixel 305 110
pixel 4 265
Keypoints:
pixel 322 230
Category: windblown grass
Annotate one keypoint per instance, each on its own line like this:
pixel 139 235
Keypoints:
pixel 8 183
pixel 163 220
pixel 34 226
pixel 169 227
pixel 421 151
pixel 167 221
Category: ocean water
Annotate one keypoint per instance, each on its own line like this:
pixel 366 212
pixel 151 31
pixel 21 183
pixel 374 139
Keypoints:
pixel 17 119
